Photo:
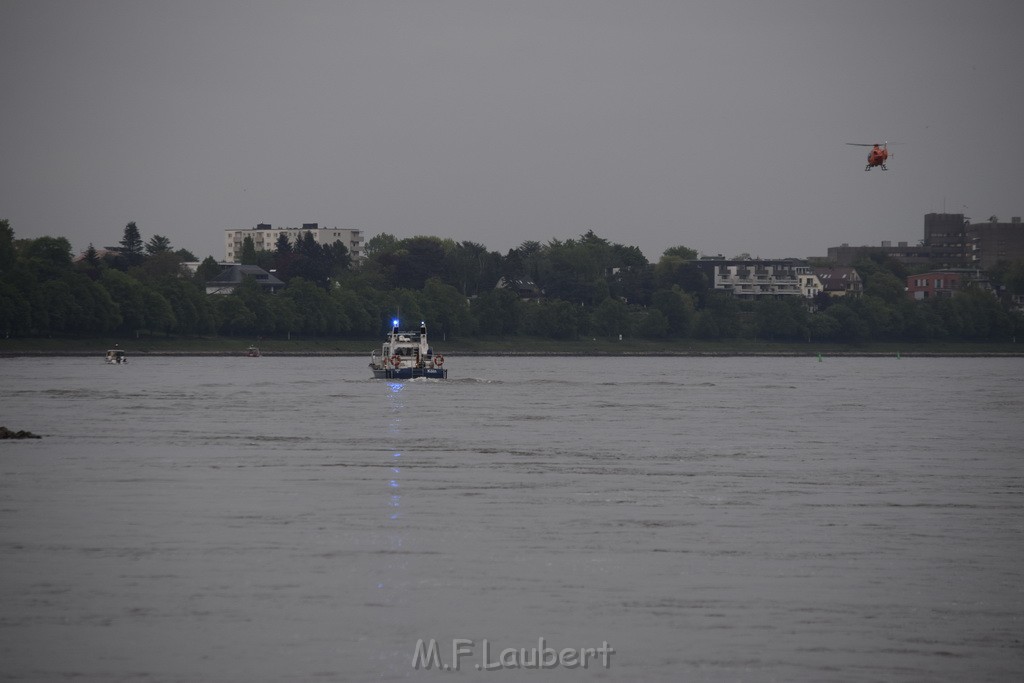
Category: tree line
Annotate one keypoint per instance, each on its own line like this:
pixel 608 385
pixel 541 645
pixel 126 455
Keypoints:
pixel 581 287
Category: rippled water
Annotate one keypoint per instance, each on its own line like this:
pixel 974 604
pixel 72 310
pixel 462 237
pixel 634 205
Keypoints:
pixel 711 519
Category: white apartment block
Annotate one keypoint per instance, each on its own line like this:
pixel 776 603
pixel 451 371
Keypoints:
pixel 755 279
pixel 264 237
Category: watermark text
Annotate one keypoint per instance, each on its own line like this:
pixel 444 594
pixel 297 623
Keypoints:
pixel 485 656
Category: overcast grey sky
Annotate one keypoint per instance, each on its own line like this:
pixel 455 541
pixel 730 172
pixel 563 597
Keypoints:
pixel 716 125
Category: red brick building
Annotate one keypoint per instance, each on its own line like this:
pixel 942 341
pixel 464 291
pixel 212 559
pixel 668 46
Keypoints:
pixel 936 284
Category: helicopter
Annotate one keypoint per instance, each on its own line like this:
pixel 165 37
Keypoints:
pixel 877 156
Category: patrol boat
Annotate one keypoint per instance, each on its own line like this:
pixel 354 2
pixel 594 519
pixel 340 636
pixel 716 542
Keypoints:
pixel 407 355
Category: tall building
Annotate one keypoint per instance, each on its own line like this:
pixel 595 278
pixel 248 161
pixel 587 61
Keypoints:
pixel 950 241
pixel 992 242
pixel 946 235
pixel 264 237
pixel 845 255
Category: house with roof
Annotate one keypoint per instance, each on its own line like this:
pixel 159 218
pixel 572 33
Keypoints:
pixel 945 283
pixel 810 285
pixel 232 276
pixel 840 281
pixel 524 287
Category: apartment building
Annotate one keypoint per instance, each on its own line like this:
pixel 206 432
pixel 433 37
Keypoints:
pixel 264 237
pixel 756 278
pixel 990 242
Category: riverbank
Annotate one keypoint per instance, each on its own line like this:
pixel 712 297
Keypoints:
pixel 222 346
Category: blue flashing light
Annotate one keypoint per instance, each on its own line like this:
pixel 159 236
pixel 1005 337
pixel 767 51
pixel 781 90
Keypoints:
pixel 394 323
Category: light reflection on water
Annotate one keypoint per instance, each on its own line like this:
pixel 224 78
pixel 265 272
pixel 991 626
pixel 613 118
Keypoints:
pixel 711 518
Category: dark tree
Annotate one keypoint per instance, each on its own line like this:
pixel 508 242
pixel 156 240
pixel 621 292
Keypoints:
pixel 248 256
pixel 131 244
pixel 158 244
pixel 6 245
pixel 208 269
pixel 91 256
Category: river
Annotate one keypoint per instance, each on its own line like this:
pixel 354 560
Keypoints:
pixel 658 519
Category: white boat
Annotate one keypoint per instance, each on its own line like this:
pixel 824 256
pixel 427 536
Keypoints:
pixel 116 357
pixel 407 355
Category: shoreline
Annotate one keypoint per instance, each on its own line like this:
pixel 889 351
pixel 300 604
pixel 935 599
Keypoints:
pixel 551 354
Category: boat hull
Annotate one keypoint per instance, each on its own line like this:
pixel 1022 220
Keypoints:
pixel 410 373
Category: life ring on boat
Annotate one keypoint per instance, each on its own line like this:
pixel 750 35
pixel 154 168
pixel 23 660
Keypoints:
pixel 396 361
pixel 438 360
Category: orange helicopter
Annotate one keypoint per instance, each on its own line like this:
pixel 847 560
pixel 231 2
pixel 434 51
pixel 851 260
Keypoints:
pixel 877 156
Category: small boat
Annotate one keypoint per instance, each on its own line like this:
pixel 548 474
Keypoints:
pixel 407 355
pixel 253 351
pixel 116 357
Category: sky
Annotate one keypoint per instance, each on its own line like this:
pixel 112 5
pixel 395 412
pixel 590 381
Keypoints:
pixel 719 125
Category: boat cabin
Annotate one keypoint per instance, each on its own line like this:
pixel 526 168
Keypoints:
pixel 116 356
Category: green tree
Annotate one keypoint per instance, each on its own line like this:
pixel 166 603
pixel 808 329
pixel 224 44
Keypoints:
pixel 653 325
pixel 48 257
pixel 705 326
pixel 91 258
pixel 7 253
pixel 286 317
pixel 248 255
pixel 15 311
pixel 131 244
pixel 162 265
pixel 413 262
pixel 673 269
pixel 446 309
pixel 556 319
pixel 887 287
pixel 208 269
pixel 822 327
pixel 470 268
pixel 496 312
pixel 611 319
pixel 55 299
pixel 380 244
pixel 319 314
pixel 724 310
pixel 310 262
pixel 681 252
pixel 258 302
pixel 97 312
pixel 232 315
pixel 678 309
pixel 127 293
pixel 780 319
pixel 338 259
pixel 158 244
pixel 192 309
pixel 159 314
pixel 851 328
pixel 357 310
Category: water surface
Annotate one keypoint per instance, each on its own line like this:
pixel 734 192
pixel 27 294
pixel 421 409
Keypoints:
pixel 711 519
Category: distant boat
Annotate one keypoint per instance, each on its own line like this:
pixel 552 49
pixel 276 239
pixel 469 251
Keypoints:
pixel 116 357
pixel 253 351
pixel 407 355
